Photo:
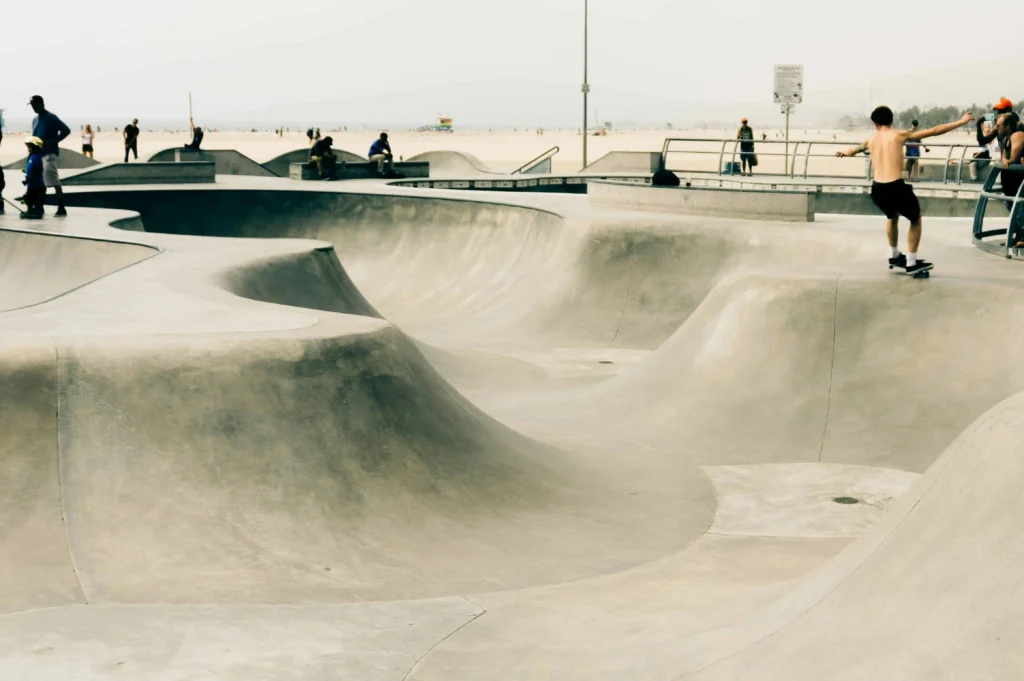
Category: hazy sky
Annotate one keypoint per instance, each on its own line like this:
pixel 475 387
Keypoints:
pixel 496 63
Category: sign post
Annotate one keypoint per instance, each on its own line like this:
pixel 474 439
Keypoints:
pixel 789 91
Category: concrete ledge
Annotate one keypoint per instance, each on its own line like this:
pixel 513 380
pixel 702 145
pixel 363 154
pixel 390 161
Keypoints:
pixel 358 171
pixel 144 173
pixel 752 204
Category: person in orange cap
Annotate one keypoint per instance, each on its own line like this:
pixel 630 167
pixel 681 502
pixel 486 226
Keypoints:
pixel 1003 106
pixel 746 137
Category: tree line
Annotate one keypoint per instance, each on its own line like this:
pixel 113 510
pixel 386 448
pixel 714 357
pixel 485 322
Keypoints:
pixel 927 118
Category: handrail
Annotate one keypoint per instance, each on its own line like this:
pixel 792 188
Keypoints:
pixel 543 157
pixel 791 166
pixel 1013 201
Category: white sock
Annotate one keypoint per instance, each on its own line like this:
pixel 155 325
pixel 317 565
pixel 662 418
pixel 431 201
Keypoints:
pixel 895 252
pixel 911 259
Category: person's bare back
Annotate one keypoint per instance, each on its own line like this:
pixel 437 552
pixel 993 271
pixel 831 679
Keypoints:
pixel 886 149
pixel 893 196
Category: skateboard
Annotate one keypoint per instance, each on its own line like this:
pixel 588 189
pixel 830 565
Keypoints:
pixel 919 274
pixel 14 206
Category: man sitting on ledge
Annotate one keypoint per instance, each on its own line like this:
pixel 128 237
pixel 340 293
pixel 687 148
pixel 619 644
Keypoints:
pixel 324 157
pixel 380 151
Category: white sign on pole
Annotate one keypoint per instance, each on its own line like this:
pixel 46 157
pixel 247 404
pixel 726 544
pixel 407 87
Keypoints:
pixel 789 83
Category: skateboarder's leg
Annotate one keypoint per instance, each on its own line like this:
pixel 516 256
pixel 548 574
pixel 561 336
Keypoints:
pixel 892 231
pixel 914 237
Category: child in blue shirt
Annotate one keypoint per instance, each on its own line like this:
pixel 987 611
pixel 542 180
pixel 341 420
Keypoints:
pixel 35 188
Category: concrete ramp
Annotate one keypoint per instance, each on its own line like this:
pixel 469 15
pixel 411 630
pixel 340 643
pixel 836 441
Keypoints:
pixel 69 160
pixel 454 164
pixel 38 267
pixel 625 162
pixel 932 592
pixel 279 164
pixel 226 161
pixel 386 433
pixel 192 172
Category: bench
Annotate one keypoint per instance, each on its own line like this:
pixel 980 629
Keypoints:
pixel 358 171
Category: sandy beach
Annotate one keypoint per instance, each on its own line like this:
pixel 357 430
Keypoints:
pixel 500 150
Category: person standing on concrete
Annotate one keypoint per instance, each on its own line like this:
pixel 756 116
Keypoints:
pixel 914 155
pixel 889 191
pixel 3 182
pixel 35 186
pixel 747 158
pixel 52 131
pixel 131 139
pixel 324 157
pixel 380 151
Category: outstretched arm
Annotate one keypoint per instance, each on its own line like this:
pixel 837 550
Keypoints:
pixel 853 151
pixel 941 129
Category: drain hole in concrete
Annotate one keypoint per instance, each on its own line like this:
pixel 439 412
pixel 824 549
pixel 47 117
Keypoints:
pixel 846 500
pixel 605 361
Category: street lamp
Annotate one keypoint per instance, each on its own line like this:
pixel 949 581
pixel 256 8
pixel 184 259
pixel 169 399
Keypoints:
pixel 586 85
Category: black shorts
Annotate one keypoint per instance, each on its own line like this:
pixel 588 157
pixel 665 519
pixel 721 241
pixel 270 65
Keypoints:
pixel 895 199
pixel 86 148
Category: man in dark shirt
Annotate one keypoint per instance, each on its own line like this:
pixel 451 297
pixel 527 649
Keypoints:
pixel 131 139
pixel 746 137
pixel 324 157
pixel 197 136
pixel 52 131
pixel 380 151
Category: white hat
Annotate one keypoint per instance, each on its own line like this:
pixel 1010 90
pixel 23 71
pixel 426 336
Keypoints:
pixel 34 140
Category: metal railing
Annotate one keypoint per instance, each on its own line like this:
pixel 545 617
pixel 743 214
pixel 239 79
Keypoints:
pixel 532 162
pixel 728 149
pixel 1014 230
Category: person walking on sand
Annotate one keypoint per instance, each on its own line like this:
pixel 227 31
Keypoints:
pixel 746 137
pixel 87 138
pixel 889 191
pixel 51 131
pixel 131 139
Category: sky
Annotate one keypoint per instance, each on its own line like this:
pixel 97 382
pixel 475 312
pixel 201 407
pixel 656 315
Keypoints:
pixel 499 63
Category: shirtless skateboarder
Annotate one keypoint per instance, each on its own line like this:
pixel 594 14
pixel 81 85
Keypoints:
pixel 889 192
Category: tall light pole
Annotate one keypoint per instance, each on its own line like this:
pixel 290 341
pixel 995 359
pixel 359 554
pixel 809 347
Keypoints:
pixel 586 85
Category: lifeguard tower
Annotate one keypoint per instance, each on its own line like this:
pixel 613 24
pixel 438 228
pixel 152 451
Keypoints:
pixel 443 124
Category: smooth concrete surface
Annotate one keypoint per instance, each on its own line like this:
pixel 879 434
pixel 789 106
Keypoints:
pixel 279 164
pixel 227 161
pixel 333 431
pixel 625 162
pixel 454 164
pixel 753 204
pixel 69 160
pixel 156 172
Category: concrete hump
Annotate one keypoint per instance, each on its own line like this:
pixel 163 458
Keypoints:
pixel 453 164
pixel 69 160
pixel 226 161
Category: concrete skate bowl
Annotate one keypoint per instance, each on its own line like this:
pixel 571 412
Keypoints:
pixel 36 267
pixel 69 160
pixel 454 164
pixel 566 517
pixel 279 164
pixel 226 161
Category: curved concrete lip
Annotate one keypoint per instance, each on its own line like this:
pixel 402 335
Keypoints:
pixel 660 410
